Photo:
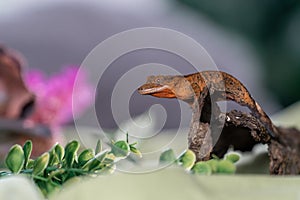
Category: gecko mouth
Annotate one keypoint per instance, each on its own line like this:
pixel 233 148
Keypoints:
pixel 156 90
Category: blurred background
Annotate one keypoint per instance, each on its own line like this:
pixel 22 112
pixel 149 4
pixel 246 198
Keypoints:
pixel 256 41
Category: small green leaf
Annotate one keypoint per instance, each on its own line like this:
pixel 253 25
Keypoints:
pixel 202 168
pixel 233 157
pixel 53 159
pixel 107 165
pixel 60 151
pixel 187 159
pixel 109 159
pixel 85 156
pixel 107 169
pixel 135 151
pixel 96 162
pixel 98 147
pixel 30 164
pixel 57 172
pixel 215 157
pixel 40 164
pixel 15 159
pixel 213 165
pixel 120 149
pixel 27 148
pixel 51 187
pixel 71 152
pixel 167 156
pixel 226 167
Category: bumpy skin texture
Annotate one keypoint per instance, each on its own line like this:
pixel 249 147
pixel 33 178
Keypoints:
pixel 220 85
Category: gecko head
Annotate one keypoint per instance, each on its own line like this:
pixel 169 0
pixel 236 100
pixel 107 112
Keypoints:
pixel 168 87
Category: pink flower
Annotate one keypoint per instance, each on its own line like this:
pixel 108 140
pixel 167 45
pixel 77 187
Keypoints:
pixel 54 96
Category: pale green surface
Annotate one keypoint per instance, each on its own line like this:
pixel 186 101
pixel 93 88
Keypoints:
pixel 174 183
pixel 288 117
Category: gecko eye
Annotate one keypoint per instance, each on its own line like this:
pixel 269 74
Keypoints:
pixel 158 80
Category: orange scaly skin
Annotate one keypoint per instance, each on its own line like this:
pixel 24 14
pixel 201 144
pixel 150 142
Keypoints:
pixel 221 84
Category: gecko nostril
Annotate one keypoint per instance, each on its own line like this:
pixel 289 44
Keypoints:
pixel 27 109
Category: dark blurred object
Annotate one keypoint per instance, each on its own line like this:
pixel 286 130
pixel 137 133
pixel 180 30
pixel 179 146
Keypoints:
pixel 15 99
pixel 16 104
pixel 23 128
pixel 273 27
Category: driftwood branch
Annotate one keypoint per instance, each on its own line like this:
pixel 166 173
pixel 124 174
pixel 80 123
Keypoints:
pixel 241 131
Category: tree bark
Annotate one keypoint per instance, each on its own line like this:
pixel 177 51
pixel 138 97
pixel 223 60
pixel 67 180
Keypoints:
pixel 241 131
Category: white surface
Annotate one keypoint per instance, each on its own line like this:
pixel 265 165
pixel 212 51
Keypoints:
pixel 18 187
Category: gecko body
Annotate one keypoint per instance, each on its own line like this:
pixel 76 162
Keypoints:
pixel 221 84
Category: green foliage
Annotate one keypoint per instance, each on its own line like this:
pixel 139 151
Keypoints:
pixel 167 156
pixel 57 166
pixel 134 150
pixel 27 148
pixel 187 159
pixel 59 152
pixel 213 166
pixel 15 159
pixel 233 157
pixel 40 164
pixel 120 149
pixel 98 147
pixel 71 153
pixel 95 162
pixel 85 156
pixel 226 167
pixel 202 168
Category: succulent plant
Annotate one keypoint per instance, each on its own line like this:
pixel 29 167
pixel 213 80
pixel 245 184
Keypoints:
pixel 60 164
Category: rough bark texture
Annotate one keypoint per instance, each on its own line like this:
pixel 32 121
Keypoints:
pixel 285 152
pixel 242 131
